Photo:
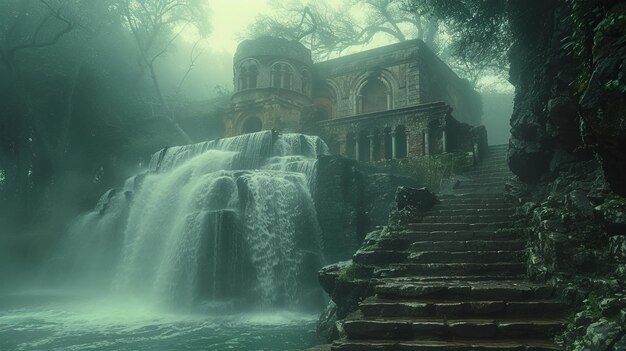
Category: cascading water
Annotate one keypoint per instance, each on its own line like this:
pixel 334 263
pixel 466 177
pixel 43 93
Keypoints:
pixel 230 219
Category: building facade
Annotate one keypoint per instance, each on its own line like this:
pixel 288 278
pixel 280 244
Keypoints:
pixel 385 103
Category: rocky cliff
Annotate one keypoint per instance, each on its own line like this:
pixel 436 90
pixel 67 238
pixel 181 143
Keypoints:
pixel 567 147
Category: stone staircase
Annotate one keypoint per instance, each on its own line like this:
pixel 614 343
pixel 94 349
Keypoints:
pixel 455 280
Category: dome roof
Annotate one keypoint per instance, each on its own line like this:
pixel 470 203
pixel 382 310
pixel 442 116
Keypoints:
pixel 271 46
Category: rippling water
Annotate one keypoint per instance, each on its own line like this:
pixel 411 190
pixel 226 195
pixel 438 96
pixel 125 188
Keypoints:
pixel 60 322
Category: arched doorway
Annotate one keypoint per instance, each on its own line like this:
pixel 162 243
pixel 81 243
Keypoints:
pixel 251 125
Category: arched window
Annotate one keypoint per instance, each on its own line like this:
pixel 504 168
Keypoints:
pixel 401 147
pixel 373 96
pixel 282 76
pixel 248 72
pixel 251 125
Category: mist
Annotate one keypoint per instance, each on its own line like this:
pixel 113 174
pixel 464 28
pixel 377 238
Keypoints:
pixel 269 175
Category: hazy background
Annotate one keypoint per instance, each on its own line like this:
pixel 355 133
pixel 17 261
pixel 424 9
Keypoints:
pixel 88 90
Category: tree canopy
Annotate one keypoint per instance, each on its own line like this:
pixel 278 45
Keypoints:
pixel 471 36
pixel 75 116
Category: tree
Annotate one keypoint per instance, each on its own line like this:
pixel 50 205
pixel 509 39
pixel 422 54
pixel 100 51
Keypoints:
pixel 479 34
pixel 155 25
pixel 28 26
pixel 456 30
pixel 328 31
pixel 75 118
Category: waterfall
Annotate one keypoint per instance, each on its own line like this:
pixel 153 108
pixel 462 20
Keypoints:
pixel 229 219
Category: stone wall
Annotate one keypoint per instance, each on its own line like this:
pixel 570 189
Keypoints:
pixel 412 74
pixel 396 65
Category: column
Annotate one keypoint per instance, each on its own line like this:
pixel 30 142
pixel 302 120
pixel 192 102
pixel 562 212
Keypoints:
pixel 426 143
pixel 356 148
pixel 372 147
pixel 393 144
pixel 444 141
pixel 406 137
pixel 343 147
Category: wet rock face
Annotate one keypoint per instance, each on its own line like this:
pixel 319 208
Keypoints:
pixel 577 239
pixel 531 146
pixel 352 199
pixel 410 205
pixel 557 109
pixel 604 101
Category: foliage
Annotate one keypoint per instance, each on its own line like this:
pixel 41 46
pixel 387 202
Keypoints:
pixel 354 271
pixel 472 37
pixel 75 117
pixel 585 17
pixel 329 30
pixel 479 32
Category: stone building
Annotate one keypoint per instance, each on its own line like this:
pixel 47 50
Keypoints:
pixel 385 103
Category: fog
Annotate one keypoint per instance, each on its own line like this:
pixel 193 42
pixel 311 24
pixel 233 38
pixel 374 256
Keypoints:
pixel 108 182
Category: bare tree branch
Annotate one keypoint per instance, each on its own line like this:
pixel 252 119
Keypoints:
pixel 33 44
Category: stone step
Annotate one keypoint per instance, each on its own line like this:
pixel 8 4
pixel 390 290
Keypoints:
pixel 457 269
pixel 325 347
pixel 471 196
pixel 483 202
pixel 474 218
pixel 461 246
pixel 459 226
pixel 479 186
pixel 490 178
pixel 474 197
pixel 503 176
pixel 493 163
pixel 437 328
pixel 482 206
pixel 495 156
pixel 495 170
pixel 466 256
pixel 397 244
pixel 479 183
pixel 474 212
pixel 443 345
pixel 498 147
pixel 498 165
pixel 480 169
pixel 379 307
pixel 453 279
pixel 459 235
pixel 505 290
pixel 379 257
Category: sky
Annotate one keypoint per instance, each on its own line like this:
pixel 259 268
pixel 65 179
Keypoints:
pixel 230 19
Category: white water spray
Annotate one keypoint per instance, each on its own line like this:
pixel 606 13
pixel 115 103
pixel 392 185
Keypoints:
pixel 231 219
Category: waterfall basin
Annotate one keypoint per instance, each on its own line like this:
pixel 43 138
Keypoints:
pixel 53 320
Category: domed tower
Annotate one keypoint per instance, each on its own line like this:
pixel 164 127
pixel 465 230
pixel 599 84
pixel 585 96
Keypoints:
pixel 273 83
